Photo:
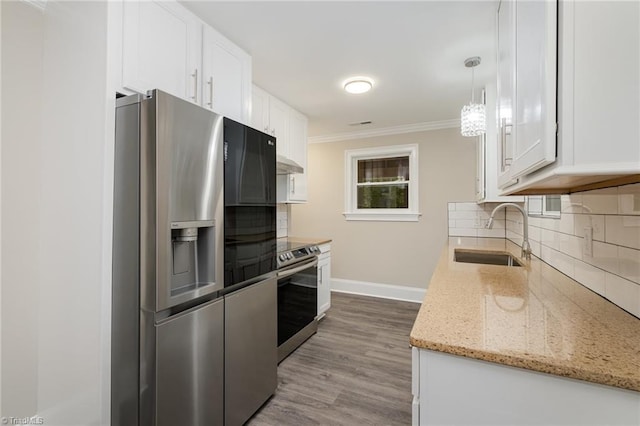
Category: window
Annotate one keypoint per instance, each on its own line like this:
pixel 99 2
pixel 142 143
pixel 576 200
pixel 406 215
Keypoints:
pixel 544 205
pixel 382 183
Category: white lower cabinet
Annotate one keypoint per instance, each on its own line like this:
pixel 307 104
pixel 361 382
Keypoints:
pixel 324 279
pixel 454 390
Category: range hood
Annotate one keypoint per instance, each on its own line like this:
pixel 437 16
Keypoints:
pixel 285 166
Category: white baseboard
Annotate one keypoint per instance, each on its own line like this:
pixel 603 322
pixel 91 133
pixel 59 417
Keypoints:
pixel 385 291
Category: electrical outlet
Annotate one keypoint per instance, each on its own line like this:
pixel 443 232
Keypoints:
pixel 587 248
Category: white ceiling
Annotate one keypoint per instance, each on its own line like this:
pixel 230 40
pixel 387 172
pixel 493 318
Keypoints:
pixel 415 51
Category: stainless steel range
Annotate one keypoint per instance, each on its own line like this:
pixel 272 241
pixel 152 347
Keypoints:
pixel 297 295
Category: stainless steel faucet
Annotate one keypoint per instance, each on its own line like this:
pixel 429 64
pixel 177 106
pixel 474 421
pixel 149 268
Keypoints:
pixel 526 247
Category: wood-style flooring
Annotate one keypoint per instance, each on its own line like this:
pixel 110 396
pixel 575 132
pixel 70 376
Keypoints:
pixel 355 371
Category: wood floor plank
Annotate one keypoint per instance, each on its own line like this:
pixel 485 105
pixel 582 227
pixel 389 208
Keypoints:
pixel 356 370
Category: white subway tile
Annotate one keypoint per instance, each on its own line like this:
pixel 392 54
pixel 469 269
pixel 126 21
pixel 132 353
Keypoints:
pixel 601 201
pixel 462 214
pixel 491 233
pixel 570 245
pixel 452 223
pixel 467 207
pixel 623 293
pixel 560 261
pixel 596 222
pixel 466 223
pixel 623 230
pixel 451 206
pixel 535 248
pixel 571 203
pixel 629 263
pixel 629 199
pixel 605 256
pixel 535 234
pixel 535 221
pixel 463 232
pixel 589 276
pixel 548 238
pixel 498 224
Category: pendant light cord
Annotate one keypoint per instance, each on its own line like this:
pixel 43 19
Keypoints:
pixel 472 82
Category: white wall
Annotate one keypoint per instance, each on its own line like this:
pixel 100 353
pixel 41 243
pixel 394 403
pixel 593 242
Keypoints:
pixel 54 175
pixel 392 253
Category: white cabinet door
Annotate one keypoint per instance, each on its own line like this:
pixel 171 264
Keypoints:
pixel 161 49
pixel 226 77
pixel 298 153
pixel 259 109
pixel 279 125
pixel 324 279
pixel 534 142
pixel 505 89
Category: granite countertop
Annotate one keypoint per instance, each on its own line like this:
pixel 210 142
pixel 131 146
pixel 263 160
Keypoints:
pixel 532 317
pixel 306 240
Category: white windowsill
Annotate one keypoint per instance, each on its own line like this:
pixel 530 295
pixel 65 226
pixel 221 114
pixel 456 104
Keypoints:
pixel 383 217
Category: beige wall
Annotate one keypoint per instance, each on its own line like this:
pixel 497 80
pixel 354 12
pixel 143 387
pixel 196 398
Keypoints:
pixel 22 51
pixel 56 115
pixel 396 253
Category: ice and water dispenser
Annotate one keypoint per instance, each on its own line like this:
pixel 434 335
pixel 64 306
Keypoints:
pixel 193 247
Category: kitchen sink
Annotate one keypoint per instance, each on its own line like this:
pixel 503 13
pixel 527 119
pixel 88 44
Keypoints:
pixel 485 257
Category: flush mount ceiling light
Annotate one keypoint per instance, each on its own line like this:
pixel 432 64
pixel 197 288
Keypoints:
pixel 472 116
pixel 357 85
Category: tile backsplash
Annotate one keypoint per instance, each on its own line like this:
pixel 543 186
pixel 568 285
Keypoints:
pixel 609 266
pixel 469 220
pixel 282 220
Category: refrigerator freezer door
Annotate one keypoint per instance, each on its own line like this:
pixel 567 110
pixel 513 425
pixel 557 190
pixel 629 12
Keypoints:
pixel 181 178
pixel 251 362
pixel 190 365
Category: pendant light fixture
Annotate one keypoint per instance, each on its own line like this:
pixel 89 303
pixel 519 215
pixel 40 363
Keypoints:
pixel 472 116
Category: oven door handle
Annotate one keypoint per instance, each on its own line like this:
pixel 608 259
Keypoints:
pixel 289 272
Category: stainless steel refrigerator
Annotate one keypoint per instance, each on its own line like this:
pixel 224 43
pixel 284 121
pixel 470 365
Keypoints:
pixel 168 272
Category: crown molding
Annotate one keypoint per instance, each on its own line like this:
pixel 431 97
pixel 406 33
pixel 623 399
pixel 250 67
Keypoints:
pixel 386 131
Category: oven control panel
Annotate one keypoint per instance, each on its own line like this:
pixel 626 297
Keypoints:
pixel 293 256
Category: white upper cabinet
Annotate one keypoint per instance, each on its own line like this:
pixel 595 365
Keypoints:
pixel 526 47
pixel 489 163
pixel 279 124
pixel 594 96
pixel 166 47
pixel 161 49
pixel 226 77
pixel 260 109
pixel 534 144
pixel 297 184
pixel 270 115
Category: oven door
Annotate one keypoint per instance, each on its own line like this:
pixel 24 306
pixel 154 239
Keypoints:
pixel 297 305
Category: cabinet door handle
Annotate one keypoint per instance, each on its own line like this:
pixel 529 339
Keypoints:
pixel 195 85
pixel 320 270
pixel 293 185
pixel 210 83
pixel 506 161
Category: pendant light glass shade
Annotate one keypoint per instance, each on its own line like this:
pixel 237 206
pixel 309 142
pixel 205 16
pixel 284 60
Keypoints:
pixel 473 116
pixel 473 120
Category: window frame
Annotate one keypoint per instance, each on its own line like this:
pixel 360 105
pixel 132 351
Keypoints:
pixel 352 156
